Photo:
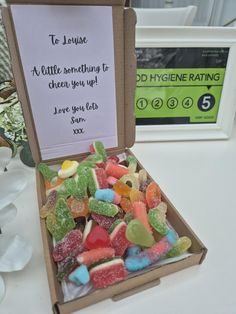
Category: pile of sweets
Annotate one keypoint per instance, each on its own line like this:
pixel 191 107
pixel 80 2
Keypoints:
pixel 107 219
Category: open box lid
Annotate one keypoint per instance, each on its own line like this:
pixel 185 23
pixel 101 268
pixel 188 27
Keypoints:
pixel 74 67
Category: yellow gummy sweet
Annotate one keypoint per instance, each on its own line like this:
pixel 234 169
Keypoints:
pixel 66 164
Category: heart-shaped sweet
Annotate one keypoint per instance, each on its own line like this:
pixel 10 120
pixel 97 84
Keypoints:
pixel 136 233
pixel 97 238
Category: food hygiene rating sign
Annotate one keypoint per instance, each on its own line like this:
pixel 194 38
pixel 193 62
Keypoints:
pixel 179 85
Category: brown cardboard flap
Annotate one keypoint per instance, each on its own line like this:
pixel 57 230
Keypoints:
pixel 75 2
pixel 130 76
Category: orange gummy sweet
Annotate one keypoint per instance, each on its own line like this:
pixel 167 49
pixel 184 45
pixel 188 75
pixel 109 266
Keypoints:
pixel 78 208
pixel 121 188
pixel 153 195
pixel 126 204
pixel 140 213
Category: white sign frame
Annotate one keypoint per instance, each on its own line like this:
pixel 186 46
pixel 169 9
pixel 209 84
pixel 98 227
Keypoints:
pixel 165 37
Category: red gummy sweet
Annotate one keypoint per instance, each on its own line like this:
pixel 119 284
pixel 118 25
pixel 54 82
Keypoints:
pixel 118 239
pixel 67 245
pixel 105 221
pixel 101 178
pixel 115 159
pixel 97 238
pixel 108 273
pixel 116 170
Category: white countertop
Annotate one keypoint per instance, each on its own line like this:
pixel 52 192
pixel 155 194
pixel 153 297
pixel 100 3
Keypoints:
pixel 199 178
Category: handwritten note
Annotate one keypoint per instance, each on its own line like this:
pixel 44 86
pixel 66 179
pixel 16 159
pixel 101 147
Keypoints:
pixel 67 55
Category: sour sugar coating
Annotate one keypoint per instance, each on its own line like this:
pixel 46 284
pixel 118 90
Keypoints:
pixel 114 158
pixel 126 204
pixel 152 254
pixel 66 266
pixel 87 230
pixel 68 188
pixel 98 147
pixel 132 164
pixel 142 176
pixel 140 213
pixel 129 216
pixel 136 233
pixel 107 195
pixel 133 250
pixel 95 159
pixel 121 188
pixel 50 204
pixel 46 172
pixel 96 179
pixel 53 184
pixel 80 275
pixel 78 208
pixel 61 221
pixel 153 195
pixel 137 196
pixel 131 180
pixel 157 219
pixel 103 208
pixel 97 238
pixel 118 239
pixel 111 180
pixel 93 256
pixel 68 169
pixel 67 245
pixel 82 184
pixel 116 170
pixel 114 225
pixel 103 221
pixel 181 246
pixel 108 273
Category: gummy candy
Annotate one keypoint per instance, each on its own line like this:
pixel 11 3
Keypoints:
pixel 103 221
pixel 78 208
pixel 90 257
pixel 126 204
pixel 97 238
pixel 131 180
pixel 108 273
pixel 80 275
pixel 81 191
pixel 46 172
pixel 66 266
pixel 53 184
pixel 50 204
pixel 61 221
pixel 111 180
pixel 136 233
pixel 115 223
pixel 87 229
pixel 107 195
pixel 121 188
pixel 151 255
pixel 132 164
pixel 96 179
pixel 115 159
pixel 128 216
pixel 68 188
pixel 136 196
pixel 180 247
pixel 153 195
pixel 118 239
pixel 68 169
pixel 63 248
pixel 157 219
pixel 98 147
pixel 140 213
pixel 133 250
pixel 103 208
pixel 142 176
pixel 116 170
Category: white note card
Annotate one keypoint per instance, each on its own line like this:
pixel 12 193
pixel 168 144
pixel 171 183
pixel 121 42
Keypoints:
pixel 67 54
